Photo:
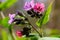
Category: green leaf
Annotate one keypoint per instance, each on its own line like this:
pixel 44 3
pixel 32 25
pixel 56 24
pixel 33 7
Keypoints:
pixel 55 33
pixel 5 22
pixel 45 17
pixel 7 4
pixel 4 35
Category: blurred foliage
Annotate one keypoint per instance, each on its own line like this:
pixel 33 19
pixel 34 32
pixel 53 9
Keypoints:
pixel 4 22
pixel 56 36
pixel 55 33
pixel 7 4
pixel 4 35
pixel 0 21
pixel 45 17
pixel 33 38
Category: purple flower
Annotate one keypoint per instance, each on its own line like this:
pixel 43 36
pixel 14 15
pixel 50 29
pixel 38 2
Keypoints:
pixel 11 16
pixel 10 21
pixel 29 5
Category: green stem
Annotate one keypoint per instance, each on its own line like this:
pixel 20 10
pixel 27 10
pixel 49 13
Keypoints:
pixel 10 31
pixel 34 28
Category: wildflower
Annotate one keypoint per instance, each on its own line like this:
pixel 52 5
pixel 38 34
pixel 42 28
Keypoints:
pixel 39 7
pixel 29 5
pixel 11 16
pixel 19 33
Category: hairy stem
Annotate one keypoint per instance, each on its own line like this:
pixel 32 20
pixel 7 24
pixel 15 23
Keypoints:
pixel 35 28
pixel 10 31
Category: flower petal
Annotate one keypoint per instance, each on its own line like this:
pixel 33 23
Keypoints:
pixel 11 16
pixel 29 5
pixel 10 21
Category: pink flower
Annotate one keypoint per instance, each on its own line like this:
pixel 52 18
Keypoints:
pixel 11 16
pixel 19 33
pixel 29 5
pixel 39 7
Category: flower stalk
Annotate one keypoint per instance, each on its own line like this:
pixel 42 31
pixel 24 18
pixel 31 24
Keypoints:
pixel 35 29
pixel 10 31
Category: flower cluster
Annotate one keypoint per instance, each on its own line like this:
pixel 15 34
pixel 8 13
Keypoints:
pixel 16 20
pixel 21 20
pixel 34 9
